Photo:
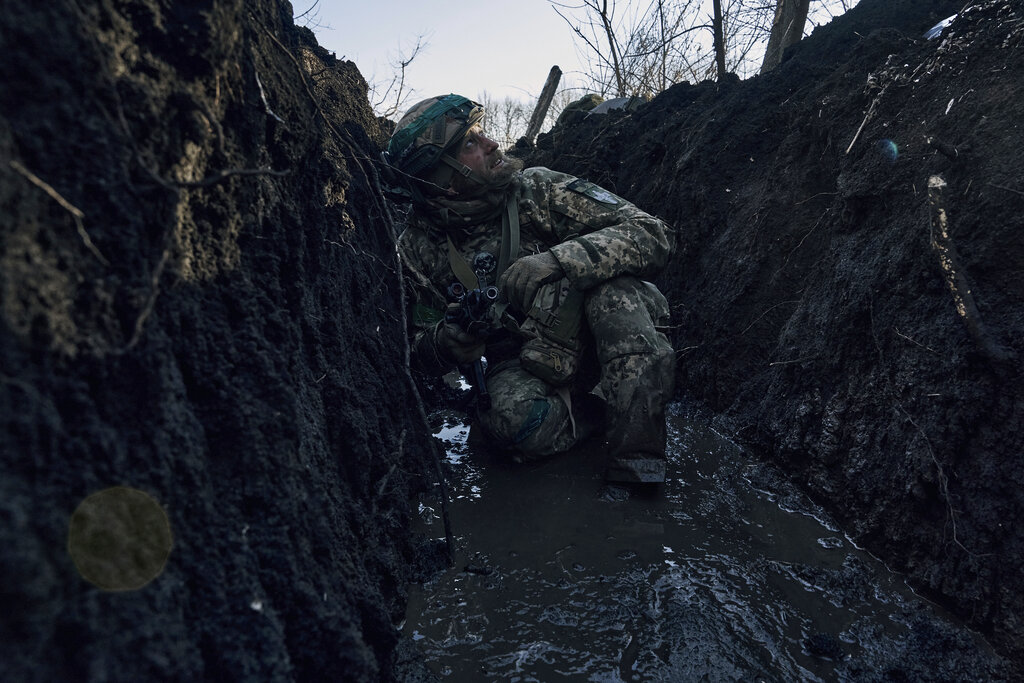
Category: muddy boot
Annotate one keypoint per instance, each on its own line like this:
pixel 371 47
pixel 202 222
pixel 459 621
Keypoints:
pixel 626 317
pixel 636 468
pixel 637 437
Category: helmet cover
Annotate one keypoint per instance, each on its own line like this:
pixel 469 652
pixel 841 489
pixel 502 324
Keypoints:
pixel 426 131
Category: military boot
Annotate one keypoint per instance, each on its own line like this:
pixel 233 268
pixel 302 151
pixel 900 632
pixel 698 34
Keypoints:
pixel 636 442
pixel 636 424
pixel 627 318
pixel 636 468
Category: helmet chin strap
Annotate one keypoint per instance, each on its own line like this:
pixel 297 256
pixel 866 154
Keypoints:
pixel 463 170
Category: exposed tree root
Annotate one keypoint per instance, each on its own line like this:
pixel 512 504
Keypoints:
pixel 956 277
pixel 68 206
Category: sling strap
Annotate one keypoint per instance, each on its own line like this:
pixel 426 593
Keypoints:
pixel 509 234
pixel 507 251
pixel 462 270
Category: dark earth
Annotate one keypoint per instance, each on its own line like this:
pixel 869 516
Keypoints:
pixel 199 299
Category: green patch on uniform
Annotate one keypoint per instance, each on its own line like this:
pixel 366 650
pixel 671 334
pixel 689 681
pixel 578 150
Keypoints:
pixel 595 192
pixel 424 316
pixel 538 412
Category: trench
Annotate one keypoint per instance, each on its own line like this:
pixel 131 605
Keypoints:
pixel 726 573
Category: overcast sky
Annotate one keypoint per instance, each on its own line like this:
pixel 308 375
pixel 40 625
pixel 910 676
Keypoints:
pixel 503 47
pixel 506 47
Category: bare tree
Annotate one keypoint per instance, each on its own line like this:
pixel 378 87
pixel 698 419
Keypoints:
pixel 602 65
pixel 629 47
pixel 506 119
pixel 388 98
pixel 641 47
pixel 653 44
pixel 787 29
pixel 824 11
pixel 564 96
pixel 719 39
pixel 310 17
pixel 613 48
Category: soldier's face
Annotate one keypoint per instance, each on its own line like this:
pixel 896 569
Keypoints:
pixel 481 154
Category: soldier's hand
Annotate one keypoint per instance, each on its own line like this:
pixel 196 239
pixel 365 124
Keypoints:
pixel 520 282
pixel 457 345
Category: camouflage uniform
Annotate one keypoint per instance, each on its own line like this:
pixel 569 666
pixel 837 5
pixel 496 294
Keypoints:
pixel 604 245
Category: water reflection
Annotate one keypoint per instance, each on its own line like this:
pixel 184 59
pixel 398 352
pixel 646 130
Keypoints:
pixel 711 579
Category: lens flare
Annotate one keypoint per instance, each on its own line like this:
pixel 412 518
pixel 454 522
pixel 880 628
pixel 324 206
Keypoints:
pixel 888 149
pixel 119 539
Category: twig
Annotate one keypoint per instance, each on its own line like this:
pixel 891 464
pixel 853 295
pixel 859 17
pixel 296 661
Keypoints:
pixel 342 244
pixel 801 242
pixel 781 303
pixel 68 206
pixel 1008 189
pixel 394 465
pixel 940 472
pixel 913 341
pixel 795 360
pixel 308 11
pixel 154 290
pixel 175 185
pixel 871 110
pixel 23 385
pixel 804 201
pixel 263 96
pixel 943 481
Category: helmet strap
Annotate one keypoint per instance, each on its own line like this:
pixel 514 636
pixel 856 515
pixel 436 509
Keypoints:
pixel 463 170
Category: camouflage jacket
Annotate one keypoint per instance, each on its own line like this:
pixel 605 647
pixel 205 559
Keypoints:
pixel 593 234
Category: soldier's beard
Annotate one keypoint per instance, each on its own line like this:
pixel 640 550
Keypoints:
pixel 496 177
pixel 508 168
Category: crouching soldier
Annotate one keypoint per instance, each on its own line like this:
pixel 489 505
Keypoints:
pixel 542 273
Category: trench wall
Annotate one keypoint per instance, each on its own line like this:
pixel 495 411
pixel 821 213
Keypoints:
pixel 198 300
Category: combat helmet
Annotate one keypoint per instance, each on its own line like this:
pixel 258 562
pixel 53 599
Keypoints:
pixel 420 147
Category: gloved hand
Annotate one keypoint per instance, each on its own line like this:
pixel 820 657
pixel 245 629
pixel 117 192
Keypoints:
pixel 455 344
pixel 520 282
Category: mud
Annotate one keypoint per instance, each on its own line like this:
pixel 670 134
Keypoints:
pixel 727 572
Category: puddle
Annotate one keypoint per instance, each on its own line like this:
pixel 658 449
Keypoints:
pixel 710 579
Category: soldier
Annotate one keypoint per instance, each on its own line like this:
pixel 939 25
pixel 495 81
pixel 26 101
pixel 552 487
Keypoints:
pixel 574 342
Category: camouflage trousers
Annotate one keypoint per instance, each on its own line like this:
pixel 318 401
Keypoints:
pixel 626 356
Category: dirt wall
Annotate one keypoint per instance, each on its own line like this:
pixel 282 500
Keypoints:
pixel 198 300
pixel 820 306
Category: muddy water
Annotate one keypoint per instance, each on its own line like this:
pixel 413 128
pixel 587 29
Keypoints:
pixel 726 573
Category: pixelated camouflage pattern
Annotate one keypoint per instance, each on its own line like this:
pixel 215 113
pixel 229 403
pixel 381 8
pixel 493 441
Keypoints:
pixel 635 365
pixel 605 248
pixel 628 319
pixel 592 241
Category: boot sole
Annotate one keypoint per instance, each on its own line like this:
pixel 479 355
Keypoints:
pixel 636 471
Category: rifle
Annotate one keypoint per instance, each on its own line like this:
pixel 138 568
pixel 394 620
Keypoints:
pixel 473 315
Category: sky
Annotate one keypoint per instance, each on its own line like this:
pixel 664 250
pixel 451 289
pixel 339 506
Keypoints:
pixel 503 47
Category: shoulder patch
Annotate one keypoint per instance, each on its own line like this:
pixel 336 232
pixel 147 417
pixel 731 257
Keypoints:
pixel 595 192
